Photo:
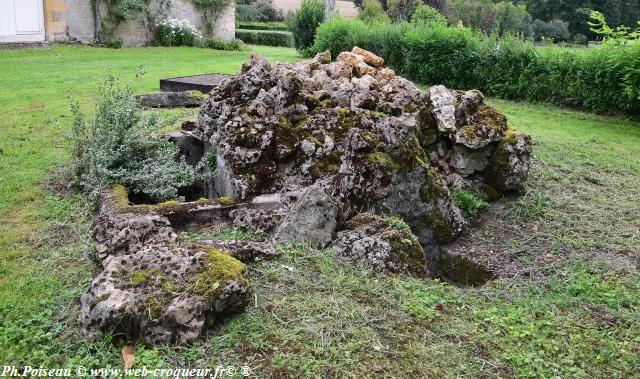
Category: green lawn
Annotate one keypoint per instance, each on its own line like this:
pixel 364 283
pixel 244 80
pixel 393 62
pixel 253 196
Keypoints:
pixel 575 232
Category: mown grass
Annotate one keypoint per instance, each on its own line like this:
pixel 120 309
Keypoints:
pixel 315 315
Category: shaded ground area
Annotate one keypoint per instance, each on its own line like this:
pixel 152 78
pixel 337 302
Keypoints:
pixel 567 306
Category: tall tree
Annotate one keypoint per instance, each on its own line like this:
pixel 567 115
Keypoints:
pixel 576 12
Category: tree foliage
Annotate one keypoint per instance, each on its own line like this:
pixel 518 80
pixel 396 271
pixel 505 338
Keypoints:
pixel 491 17
pixel 372 12
pixel 304 22
pixel 426 15
pixel 598 24
pixel 577 12
pixel 556 30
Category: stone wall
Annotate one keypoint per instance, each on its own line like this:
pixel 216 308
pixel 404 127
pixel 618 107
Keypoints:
pixel 79 19
pixel 73 20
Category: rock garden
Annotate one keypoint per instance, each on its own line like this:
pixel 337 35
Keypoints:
pixel 336 154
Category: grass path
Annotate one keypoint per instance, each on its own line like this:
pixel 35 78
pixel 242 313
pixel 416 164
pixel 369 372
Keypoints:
pixel 577 228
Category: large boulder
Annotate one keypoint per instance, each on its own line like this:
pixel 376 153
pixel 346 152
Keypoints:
pixel 372 139
pixel 509 163
pixel 163 293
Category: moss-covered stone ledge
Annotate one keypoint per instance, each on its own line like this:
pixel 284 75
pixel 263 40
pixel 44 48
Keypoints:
pixel 181 215
pixel 123 228
pixel 177 99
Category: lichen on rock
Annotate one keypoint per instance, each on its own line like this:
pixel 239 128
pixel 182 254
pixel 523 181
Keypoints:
pixel 309 145
pixel 364 133
pixel 381 244
pixel 163 293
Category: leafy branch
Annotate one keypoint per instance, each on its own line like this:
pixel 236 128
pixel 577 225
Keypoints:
pixel 598 24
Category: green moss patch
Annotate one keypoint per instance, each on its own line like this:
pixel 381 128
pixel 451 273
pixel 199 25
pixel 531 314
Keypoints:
pixel 227 200
pixel 222 269
pixel 383 159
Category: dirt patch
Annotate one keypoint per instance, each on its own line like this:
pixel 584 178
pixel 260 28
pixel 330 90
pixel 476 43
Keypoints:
pixel 508 249
pixel 60 182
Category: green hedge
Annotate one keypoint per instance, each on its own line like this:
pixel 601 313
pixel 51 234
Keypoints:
pixel 220 44
pixel 265 37
pixel 257 25
pixel 603 80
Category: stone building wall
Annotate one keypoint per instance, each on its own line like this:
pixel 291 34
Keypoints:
pixel 73 20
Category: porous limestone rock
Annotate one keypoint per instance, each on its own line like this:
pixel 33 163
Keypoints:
pixel 383 244
pixel 163 293
pixel 117 231
pixel 313 143
pixel 370 138
pixel 253 220
pixel 313 219
pixel 509 163
pixel 368 57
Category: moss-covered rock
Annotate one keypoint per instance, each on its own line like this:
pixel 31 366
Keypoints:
pixel 227 200
pixel 118 230
pixel 384 244
pixel 366 134
pixel 509 163
pixel 163 293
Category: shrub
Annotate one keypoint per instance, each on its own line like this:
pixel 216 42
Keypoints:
pixel 580 39
pixel 220 44
pixel 120 145
pixel 265 37
pixel 441 55
pixel 259 25
pixel 174 32
pixel 425 15
pixel 303 23
pixel 606 79
pixel 257 10
pixel 490 17
pixel 556 30
pixel 129 10
pixel 373 13
pixel 115 43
